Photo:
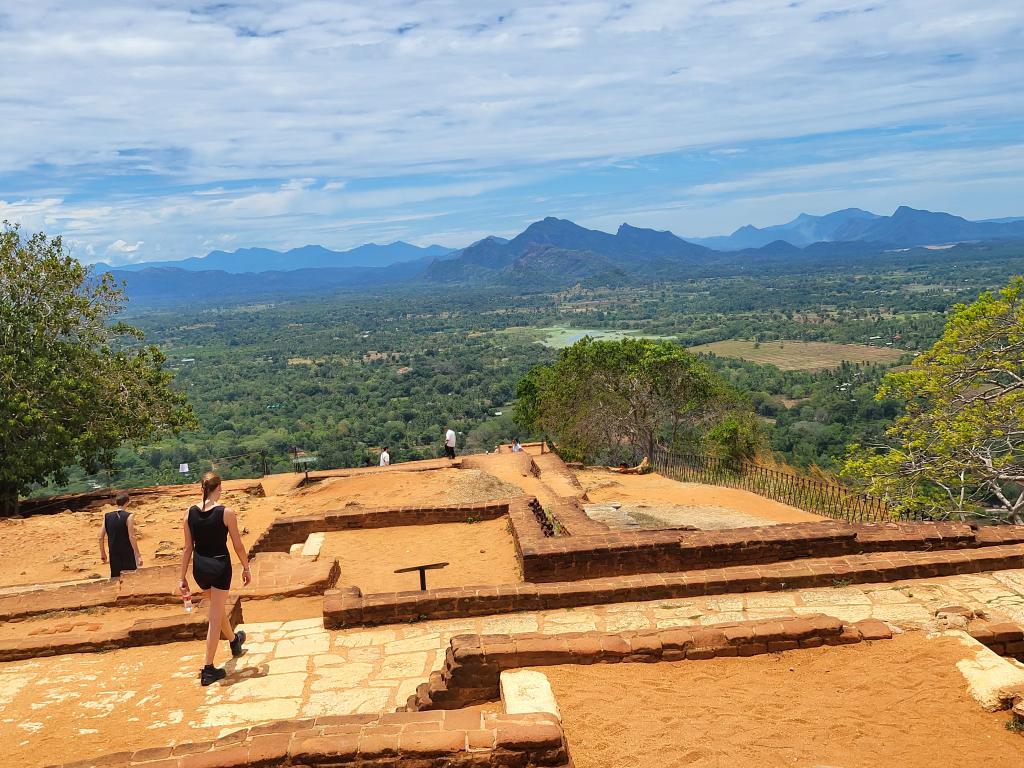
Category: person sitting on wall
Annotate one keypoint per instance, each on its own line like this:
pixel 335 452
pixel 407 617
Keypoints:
pixel 642 468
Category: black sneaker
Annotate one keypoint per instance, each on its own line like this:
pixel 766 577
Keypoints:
pixel 211 674
pixel 236 644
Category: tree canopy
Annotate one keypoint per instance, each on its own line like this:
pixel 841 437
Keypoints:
pixel 74 384
pixel 609 399
pixel 958 447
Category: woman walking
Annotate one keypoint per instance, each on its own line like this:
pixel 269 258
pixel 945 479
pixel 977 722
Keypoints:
pixel 207 528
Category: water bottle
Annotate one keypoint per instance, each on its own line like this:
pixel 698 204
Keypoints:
pixel 186 598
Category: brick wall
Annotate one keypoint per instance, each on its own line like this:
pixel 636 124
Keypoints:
pixel 294 529
pixel 349 608
pixel 622 553
pixel 156 631
pixel 453 739
pixel 473 663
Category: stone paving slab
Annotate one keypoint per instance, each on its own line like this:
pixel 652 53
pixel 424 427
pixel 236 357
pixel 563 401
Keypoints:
pixel 299 669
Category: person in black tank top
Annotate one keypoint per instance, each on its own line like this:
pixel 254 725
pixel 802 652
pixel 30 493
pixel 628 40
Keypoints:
pixel 207 527
pixel 118 534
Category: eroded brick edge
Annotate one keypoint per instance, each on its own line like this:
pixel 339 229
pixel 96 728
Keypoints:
pixel 473 663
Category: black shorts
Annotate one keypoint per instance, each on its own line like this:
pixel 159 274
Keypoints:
pixel 117 565
pixel 449 452
pixel 212 571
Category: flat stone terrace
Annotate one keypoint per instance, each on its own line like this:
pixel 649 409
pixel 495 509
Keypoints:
pixel 310 689
pixel 299 669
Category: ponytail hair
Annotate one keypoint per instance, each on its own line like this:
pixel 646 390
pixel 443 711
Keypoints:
pixel 210 483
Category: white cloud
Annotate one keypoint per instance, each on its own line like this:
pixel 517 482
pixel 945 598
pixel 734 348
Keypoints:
pixel 120 246
pixel 260 119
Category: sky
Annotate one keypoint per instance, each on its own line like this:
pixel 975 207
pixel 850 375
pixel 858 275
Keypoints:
pixel 144 131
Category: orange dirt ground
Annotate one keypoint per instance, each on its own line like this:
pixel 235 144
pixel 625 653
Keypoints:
pixel 64 546
pixel 656 490
pixel 900 702
pixel 478 553
pixel 396 488
pixel 80 731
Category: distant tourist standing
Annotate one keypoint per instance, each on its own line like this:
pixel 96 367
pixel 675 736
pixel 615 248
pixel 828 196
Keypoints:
pixel 118 533
pixel 449 443
pixel 517 447
pixel 207 527
pixel 385 457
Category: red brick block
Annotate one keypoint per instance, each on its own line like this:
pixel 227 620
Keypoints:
pixel 701 653
pixel 319 749
pixel 614 647
pixel 584 649
pixel 873 629
pixel 983 634
pixel 752 649
pixel 431 743
pixel 1006 632
pixel 462 720
pixel 811 642
pixel 479 740
pixel 676 639
pixel 528 737
pixel 848 636
pixel 232 757
pixel 379 741
pixel 740 634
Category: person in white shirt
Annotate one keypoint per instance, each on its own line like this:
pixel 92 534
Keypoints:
pixel 385 457
pixel 517 447
pixel 449 443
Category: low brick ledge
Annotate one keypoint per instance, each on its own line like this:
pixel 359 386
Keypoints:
pixel 155 631
pixel 623 553
pixel 1005 638
pixel 449 739
pixel 293 529
pixel 474 663
pixel 348 607
pixel 274 575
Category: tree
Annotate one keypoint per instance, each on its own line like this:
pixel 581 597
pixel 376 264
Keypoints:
pixel 74 385
pixel 958 448
pixel 612 398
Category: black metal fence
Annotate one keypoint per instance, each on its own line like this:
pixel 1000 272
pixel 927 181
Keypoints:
pixel 809 494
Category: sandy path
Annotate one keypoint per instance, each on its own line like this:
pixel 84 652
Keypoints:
pixel 396 488
pixel 899 702
pixel 478 553
pixel 692 499
pixel 63 547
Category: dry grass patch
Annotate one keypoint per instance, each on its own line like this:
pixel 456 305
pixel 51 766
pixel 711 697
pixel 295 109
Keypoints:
pixel 801 355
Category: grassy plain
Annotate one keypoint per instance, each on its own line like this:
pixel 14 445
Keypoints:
pixel 801 355
pixel 561 336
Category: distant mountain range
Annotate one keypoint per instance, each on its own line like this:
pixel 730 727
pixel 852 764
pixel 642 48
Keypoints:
pixel 307 257
pixel 906 227
pixel 554 252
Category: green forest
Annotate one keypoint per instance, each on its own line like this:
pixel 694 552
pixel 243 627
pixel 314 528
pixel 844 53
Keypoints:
pixel 342 376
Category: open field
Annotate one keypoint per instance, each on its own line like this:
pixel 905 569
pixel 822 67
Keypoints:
pixel 801 355
pixel 561 336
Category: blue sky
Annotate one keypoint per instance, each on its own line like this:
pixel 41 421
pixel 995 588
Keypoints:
pixel 145 131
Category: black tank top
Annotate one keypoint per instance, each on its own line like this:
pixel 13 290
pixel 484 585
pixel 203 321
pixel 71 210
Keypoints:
pixel 209 532
pixel 116 526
